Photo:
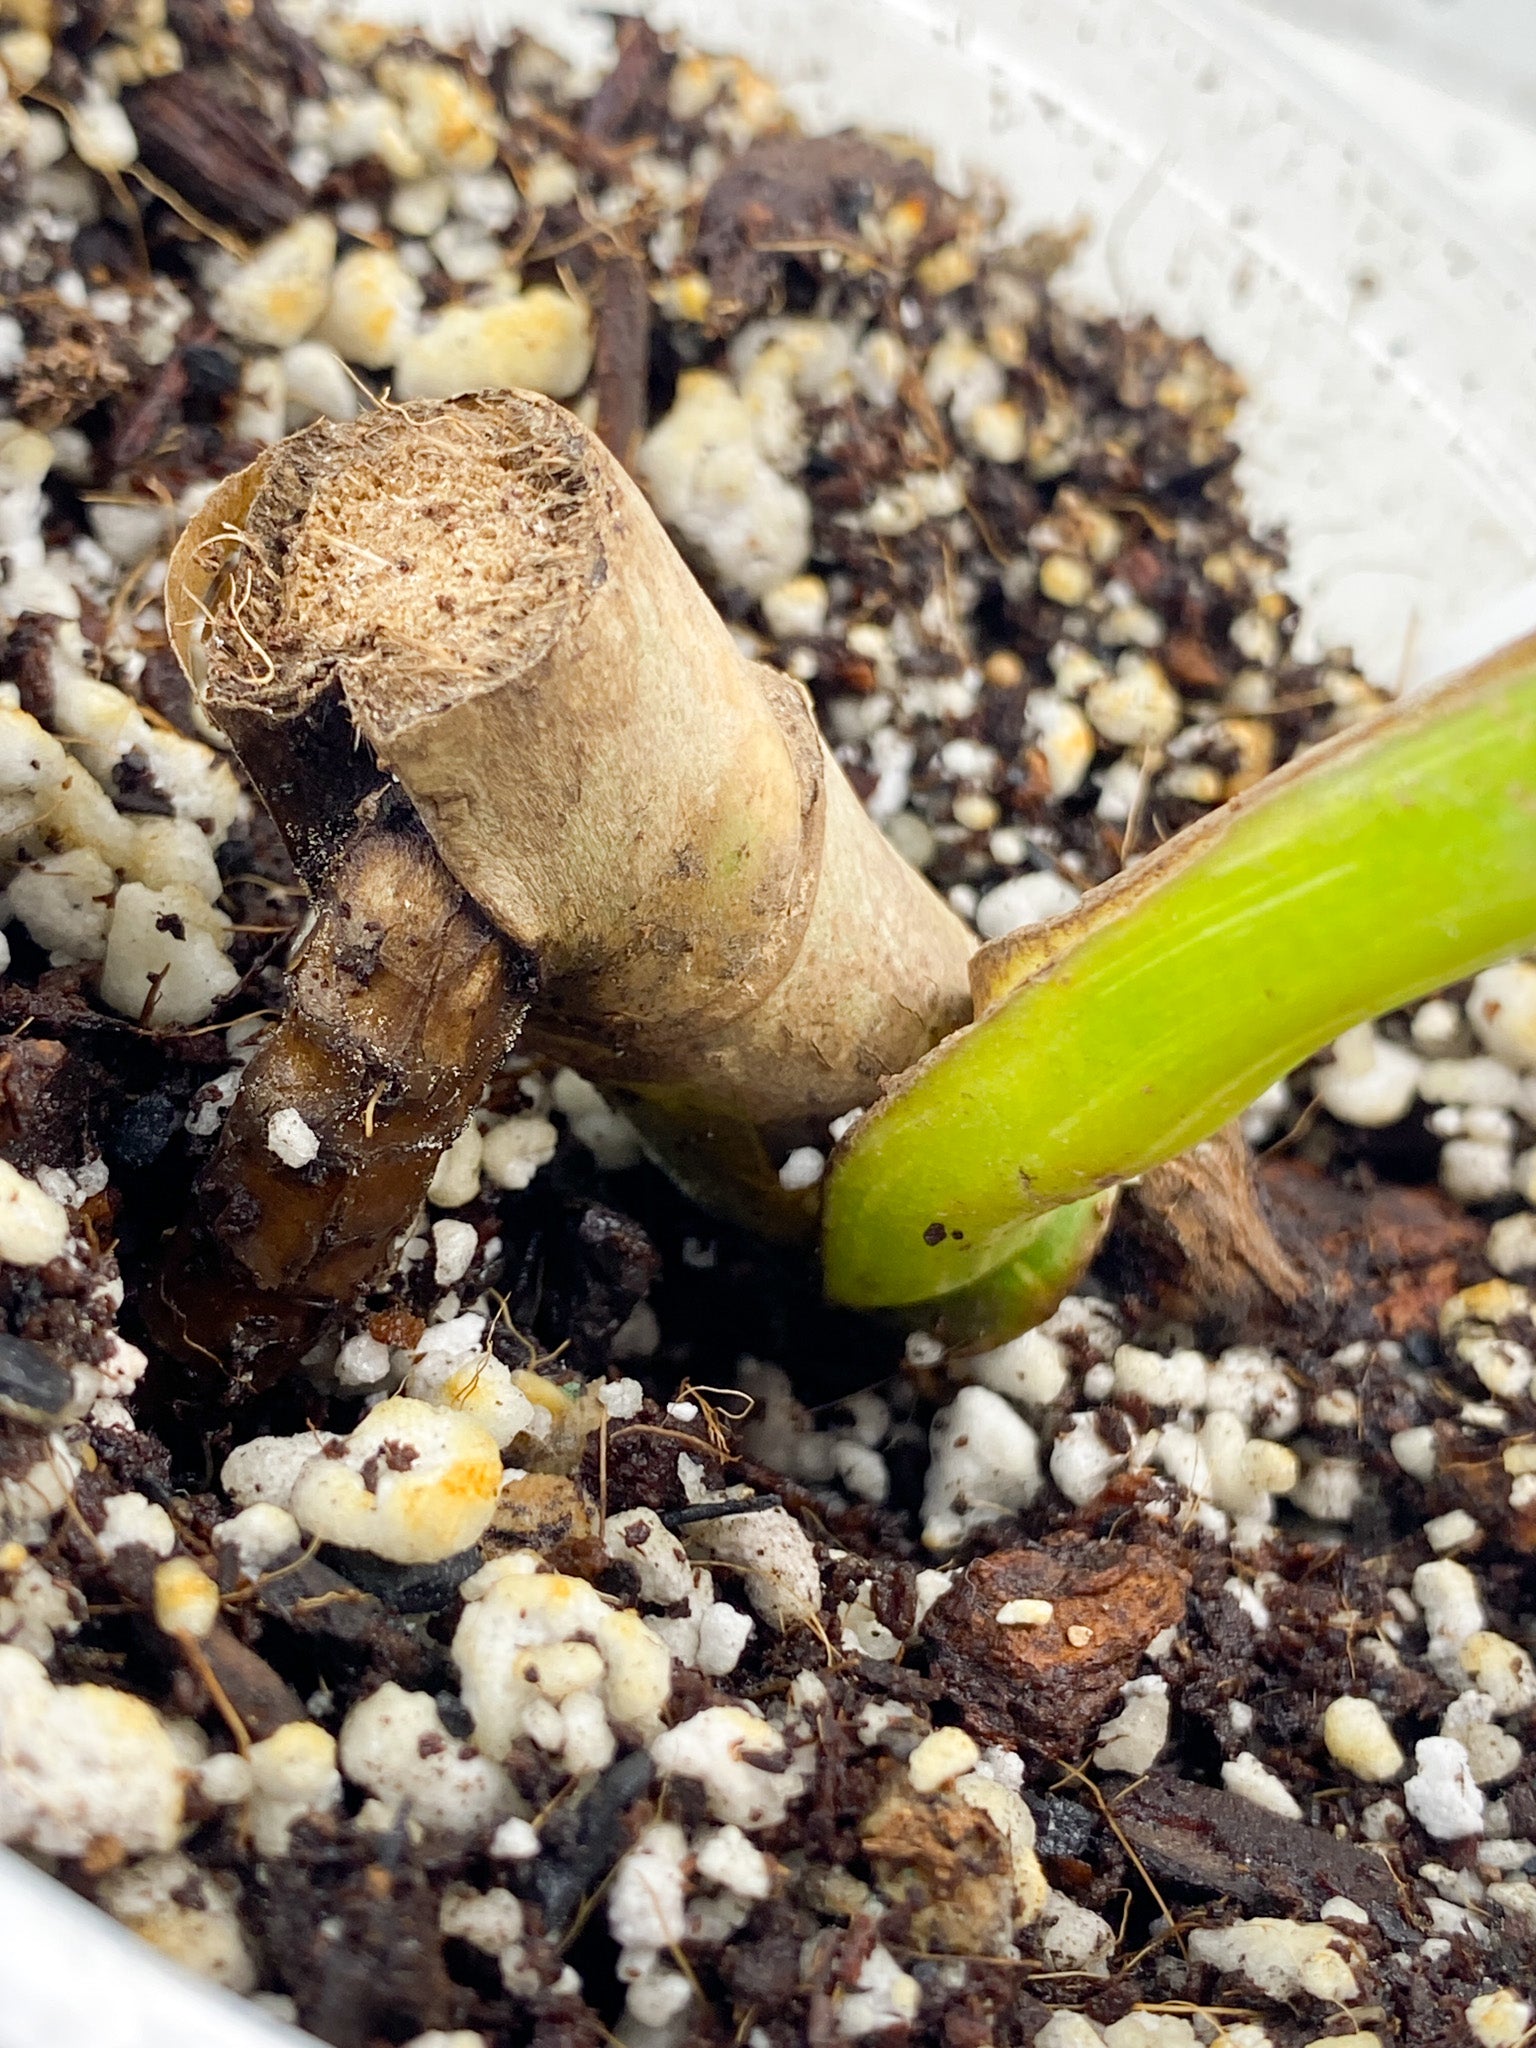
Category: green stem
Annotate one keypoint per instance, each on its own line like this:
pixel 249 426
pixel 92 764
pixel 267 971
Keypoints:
pixel 1397 858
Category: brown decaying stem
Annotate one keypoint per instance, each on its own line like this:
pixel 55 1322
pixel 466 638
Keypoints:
pixel 402 1004
pixel 1207 1206
pixel 460 627
pixel 483 601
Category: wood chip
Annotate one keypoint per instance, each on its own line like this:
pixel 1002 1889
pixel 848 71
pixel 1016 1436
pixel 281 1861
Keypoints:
pixel 1051 1685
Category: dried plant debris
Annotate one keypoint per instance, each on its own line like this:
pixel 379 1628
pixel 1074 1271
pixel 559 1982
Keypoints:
pixel 536 1661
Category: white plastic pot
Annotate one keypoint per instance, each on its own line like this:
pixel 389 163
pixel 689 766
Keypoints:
pixel 1391 355
pixel 1387 341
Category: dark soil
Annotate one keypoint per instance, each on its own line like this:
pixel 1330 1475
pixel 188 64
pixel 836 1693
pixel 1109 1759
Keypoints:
pixel 934 638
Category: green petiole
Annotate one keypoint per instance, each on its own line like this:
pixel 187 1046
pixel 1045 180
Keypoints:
pixel 1396 858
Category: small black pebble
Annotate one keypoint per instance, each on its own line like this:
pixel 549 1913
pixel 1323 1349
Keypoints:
pixel 403 1588
pixel 1062 1827
pixel 719 1510
pixel 455 1716
pixel 33 1386
pixel 210 372
pixel 142 1132
pixel 584 1839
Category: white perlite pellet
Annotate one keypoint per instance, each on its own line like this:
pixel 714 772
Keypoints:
pixel 513 1150
pixel 1134 1739
pixel 1066 2029
pixel 1502 1010
pixel 796 608
pixel 623 1399
pixel 608 1136
pixel 265 1467
pixel 1441 1794
pixel 1025 900
pixel 640 1537
pixel 374 308
pixel 1499 2019
pixel 1329 1490
pixel 1493 1754
pixel 984 1461
pixel 101 132
pixel 723 1634
pixel 726 1858
pixel 131 1521
pixel 317 385
pixel 1359 1739
pixel 1512 1244
pixel 1282 1957
pixel 1072 1938
pixel 515 1840
pixel 259 1536
pixel 456 1177
pixel 455 1246
pixel 1178 1381
pixel 394 1744
pixel 165 958
pixel 1151 2030
pixel 362 1361
pixel 290 1138
pixel 34 1228
pixel 1137 706
pixel 1502 1671
pixel 645 1899
pixel 1024 1613
pixel 711 481
pixel 185 1599
pixel 1031 1370
pixel 945 1754
pixel 1414 1450
pixel 540 340
pixel 1476 1169
pixel 65 901
pixel 883 1996
pixel 1255 1782
pixel 188 1914
pixel 1483 1087
pixel 750 1775
pixel 413 1483
pixel 35 1608
pixel 81 1763
pixel 1249 1382
pixel 1453 1610
pixel 1371 1081
pixel 454 1367
pixel 543 1655
pixel 293 1775
pixel 1453 1531
pixel 1082 1463
pixel 276 296
pixel 490 1921
pixel 777 1558
pixel 1062 737
pixel 802 1169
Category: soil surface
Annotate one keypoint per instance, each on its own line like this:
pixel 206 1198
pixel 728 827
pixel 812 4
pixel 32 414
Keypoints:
pixel 1002 1695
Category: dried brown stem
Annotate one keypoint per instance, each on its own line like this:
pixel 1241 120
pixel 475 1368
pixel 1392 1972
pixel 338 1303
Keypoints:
pixel 403 1002
pixel 519 759
pixel 1206 1211
pixel 480 601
